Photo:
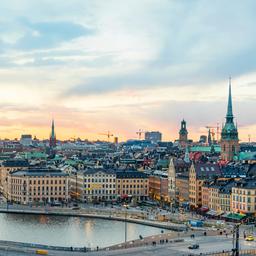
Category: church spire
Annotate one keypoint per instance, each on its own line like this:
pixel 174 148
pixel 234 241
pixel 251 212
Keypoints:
pixel 52 143
pixel 53 133
pixel 229 116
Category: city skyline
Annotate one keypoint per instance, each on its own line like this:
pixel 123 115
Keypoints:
pixel 94 69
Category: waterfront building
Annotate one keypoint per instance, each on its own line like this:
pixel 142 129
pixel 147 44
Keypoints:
pixel 132 183
pixel 183 134
pixel 154 136
pixel 178 180
pixel 182 187
pixel 244 196
pixel 37 185
pixel 198 174
pixel 93 185
pixel 229 134
pixel 7 167
pixel 158 186
pixel 216 195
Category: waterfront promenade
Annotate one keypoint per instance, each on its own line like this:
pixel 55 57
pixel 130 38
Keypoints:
pixel 131 215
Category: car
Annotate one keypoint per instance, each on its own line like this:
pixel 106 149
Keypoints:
pixel 56 204
pixel 249 238
pixel 76 208
pixel 194 246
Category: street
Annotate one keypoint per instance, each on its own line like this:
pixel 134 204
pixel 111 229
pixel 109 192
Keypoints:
pixel 207 244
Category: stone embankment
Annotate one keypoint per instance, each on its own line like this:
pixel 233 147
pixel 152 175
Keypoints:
pixel 132 217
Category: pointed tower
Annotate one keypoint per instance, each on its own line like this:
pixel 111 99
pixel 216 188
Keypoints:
pixel 229 133
pixel 52 142
pixel 209 138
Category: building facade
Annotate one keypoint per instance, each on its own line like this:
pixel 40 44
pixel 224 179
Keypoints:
pixel 244 197
pixel 94 185
pixel 7 167
pixel 37 185
pixel 198 174
pixel 132 183
pixel 158 186
pixel 154 136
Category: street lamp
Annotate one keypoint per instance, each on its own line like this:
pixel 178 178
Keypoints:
pixel 125 224
pixel 236 242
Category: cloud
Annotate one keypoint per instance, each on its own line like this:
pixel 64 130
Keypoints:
pixel 49 34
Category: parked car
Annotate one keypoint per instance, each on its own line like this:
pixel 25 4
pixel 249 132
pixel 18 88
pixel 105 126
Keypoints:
pixel 55 204
pixel 76 208
pixel 194 246
pixel 249 238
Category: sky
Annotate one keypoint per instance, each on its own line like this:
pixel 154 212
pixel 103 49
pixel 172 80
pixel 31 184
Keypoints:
pixel 120 66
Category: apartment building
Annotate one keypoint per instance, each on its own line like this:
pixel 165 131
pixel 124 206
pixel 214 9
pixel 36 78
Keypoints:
pixel 94 185
pixel 198 174
pixel 132 183
pixel 244 197
pixel 158 186
pixel 37 185
pixel 7 167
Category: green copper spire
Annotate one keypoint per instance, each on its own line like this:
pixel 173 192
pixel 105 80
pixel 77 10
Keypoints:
pixel 229 116
pixel 53 133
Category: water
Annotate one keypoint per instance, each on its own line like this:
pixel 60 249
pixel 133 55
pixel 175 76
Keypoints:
pixel 69 231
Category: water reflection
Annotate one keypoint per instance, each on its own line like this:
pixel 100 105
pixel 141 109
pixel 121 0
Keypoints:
pixel 68 231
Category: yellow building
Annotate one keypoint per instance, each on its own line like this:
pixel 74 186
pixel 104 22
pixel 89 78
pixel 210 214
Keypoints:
pixel 95 185
pixel 132 183
pixel 244 197
pixel 7 167
pixel 37 185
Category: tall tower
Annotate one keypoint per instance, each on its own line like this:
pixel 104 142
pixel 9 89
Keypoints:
pixel 209 138
pixel 183 134
pixel 52 142
pixel 229 135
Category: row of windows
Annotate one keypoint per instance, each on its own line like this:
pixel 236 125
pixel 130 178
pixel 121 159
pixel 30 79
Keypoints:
pixel 103 185
pixel 243 192
pixel 131 192
pixel 242 207
pixel 94 192
pixel 99 180
pixel 243 199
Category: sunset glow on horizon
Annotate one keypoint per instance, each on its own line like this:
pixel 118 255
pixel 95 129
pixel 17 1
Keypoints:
pixel 99 66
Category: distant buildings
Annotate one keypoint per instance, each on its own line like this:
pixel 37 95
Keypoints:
pixel 229 134
pixel 203 139
pixel 153 136
pixel 26 140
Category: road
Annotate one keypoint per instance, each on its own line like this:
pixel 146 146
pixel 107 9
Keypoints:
pixel 207 244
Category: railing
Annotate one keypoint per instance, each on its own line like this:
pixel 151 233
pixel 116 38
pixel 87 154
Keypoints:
pixel 230 253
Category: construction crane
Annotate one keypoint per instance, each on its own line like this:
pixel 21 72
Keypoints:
pixel 212 131
pixel 108 134
pixel 140 132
